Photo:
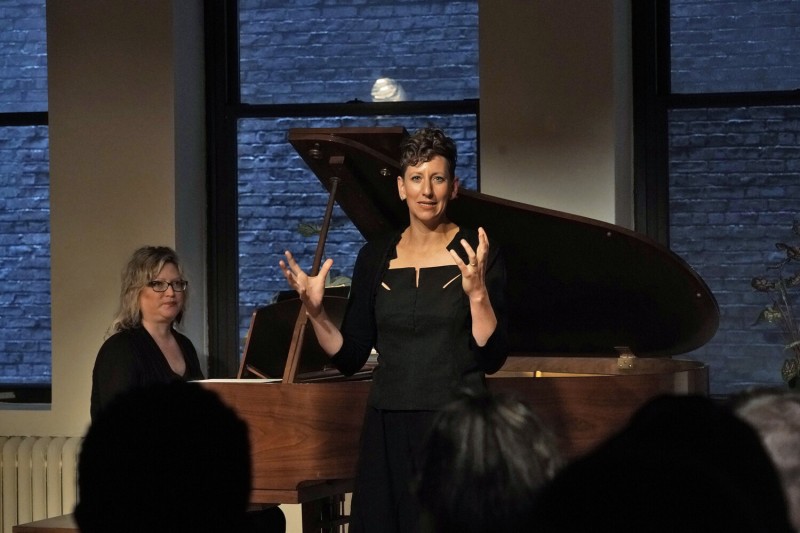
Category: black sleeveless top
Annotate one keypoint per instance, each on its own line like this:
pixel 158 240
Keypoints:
pixel 423 340
pixel 423 334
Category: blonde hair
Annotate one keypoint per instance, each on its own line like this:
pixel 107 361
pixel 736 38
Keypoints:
pixel 143 266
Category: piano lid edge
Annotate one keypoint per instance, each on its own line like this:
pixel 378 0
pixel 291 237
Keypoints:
pixel 554 260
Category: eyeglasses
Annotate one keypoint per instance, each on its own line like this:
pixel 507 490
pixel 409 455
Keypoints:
pixel 161 286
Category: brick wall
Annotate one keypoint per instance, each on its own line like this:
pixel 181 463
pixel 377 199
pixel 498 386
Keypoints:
pixel 327 51
pixel 24 198
pixel 278 193
pixel 734 45
pixel 733 194
pixel 734 171
pixel 23 49
pixel 333 51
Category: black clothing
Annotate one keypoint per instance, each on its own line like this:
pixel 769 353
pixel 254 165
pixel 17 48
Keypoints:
pixel 131 358
pixel 426 354
pixel 682 463
pixel 391 443
pixel 359 327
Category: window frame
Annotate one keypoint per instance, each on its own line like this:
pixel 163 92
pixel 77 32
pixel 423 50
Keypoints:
pixel 653 99
pixel 28 393
pixel 224 109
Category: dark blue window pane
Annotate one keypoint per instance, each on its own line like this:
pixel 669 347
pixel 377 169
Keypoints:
pixel 278 194
pixel 734 190
pixel 23 56
pixel 735 45
pixel 24 255
pixel 327 51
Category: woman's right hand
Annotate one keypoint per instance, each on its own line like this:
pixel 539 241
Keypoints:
pixel 310 289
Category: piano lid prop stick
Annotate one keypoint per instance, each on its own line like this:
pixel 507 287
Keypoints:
pixel 296 346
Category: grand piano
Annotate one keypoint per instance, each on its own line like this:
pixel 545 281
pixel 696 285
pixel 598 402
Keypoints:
pixel 598 318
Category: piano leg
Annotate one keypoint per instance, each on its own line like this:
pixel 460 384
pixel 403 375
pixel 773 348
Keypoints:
pixel 325 515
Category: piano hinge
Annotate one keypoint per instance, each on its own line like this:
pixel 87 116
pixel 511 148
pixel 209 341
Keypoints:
pixel 626 358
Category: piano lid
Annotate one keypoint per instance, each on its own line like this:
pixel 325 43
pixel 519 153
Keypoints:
pixel 576 286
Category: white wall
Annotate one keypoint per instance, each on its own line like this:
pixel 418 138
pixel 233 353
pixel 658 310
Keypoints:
pixel 121 146
pixel 555 105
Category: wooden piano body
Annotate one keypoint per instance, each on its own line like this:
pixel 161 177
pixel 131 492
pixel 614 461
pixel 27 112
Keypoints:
pixel 581 292
pixel 586 399
pixel 304 436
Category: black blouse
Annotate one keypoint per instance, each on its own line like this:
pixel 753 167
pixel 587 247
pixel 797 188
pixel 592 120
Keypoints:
pixel 131 358
pixel 423 335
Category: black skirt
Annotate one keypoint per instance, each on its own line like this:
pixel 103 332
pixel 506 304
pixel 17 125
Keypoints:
pixel 383 499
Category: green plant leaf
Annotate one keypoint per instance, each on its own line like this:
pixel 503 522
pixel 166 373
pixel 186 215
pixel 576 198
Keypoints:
pixel 768 314
pixel 790 369
pixel 792 252
pixel 307 230
pixel 762 284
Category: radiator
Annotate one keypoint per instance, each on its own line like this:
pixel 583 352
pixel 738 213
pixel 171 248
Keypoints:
pixel 38 478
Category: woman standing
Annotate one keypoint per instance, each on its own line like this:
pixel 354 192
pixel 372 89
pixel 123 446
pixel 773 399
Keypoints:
pixel 145 348
pixel 430 300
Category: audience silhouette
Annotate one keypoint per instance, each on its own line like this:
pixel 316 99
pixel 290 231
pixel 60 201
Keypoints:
pixel 165 458
pixel 683 463
pixel 485 458
pixel 775 415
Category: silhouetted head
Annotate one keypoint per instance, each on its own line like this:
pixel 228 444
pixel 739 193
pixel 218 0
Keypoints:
pixel 164 458
pixel 683 463
pixel 485 458
pixel 775 415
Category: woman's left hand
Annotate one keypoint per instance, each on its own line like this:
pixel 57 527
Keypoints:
pixel 473 272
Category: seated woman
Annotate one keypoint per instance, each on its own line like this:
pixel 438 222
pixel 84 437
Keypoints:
pixel 145 348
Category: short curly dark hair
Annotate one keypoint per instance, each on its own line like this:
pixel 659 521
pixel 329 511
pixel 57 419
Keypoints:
pixel 424 145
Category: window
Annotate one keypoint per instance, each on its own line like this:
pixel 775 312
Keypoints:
pixel 321 64
pixel 716 154
pixel 725 47
pixel 25 347
pixel 382 50
pixel 279 196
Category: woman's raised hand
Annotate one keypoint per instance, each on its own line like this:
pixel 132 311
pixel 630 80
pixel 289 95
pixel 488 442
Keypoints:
pixel 473 272
pixel 484 321
pixel 310 289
